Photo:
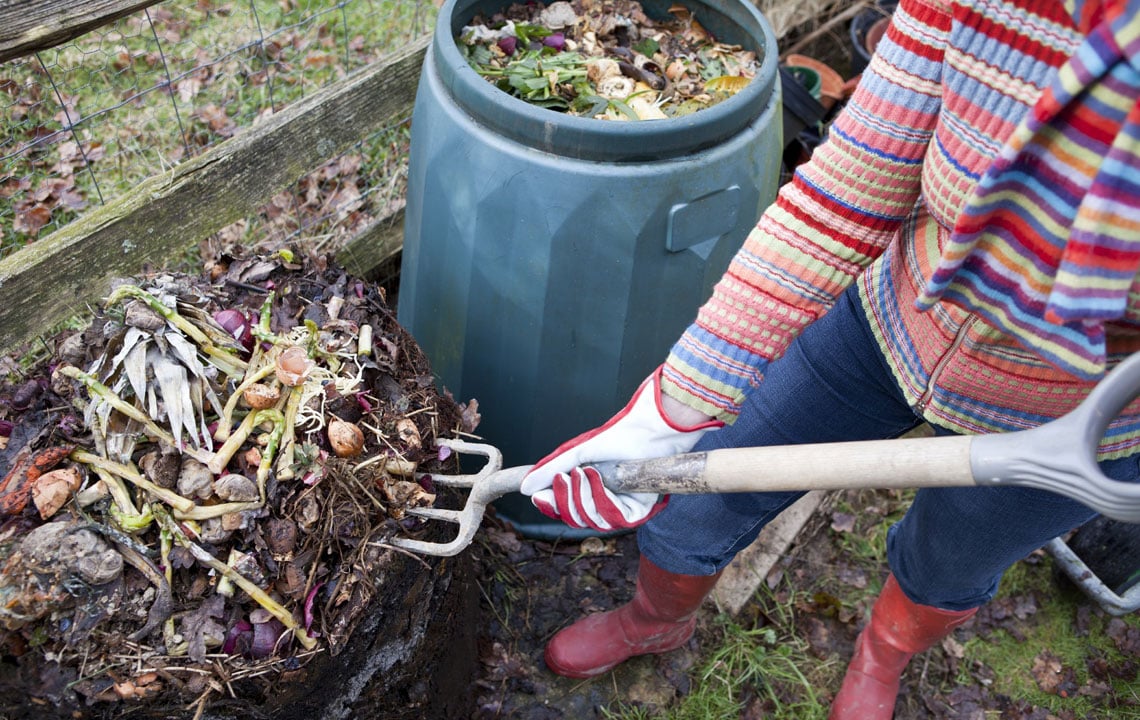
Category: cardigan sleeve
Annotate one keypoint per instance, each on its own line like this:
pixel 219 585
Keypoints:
pixel 839 212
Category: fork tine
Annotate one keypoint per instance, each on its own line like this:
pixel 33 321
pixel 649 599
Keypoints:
pixel 493 454
pixel 433 548
pixel 456 481
pixel 487 485
pixel 435 513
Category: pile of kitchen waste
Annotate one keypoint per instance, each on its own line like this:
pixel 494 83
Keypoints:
pixel 200 487
pixel 606 59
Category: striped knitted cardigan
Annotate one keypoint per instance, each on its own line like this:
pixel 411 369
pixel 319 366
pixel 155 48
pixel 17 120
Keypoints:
pixel 876 205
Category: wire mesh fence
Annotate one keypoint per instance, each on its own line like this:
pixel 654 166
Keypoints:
pixel 84 122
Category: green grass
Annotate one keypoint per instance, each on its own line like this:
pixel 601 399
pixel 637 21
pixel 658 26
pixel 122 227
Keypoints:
pixel 769 666
pixel 1053 628
pixel 148 91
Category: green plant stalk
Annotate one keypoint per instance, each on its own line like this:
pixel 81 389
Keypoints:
pixel 132 523
pixel 123 510
pixel 222 456
pixel 207 512
pixel 256 593
pixel 288 435
pixel 225 361
pixel 225 586
pixel 134 477
pixel 165 545
pixel 105 393
pixel 272 443
pixel 261 330
pixel 118 491
pixel 226 420
pixel 314 349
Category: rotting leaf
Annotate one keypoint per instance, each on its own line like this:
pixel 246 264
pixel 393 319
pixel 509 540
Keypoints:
pixel 201 628
pixel 854 576
pixel 1052 676
pixel 1124 636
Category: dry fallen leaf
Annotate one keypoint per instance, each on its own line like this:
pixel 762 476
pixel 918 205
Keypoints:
pixel 1052 676
pixel 730 84
pixel 30 218
pixel 953 648
pixel 1126 638
pixel 842 522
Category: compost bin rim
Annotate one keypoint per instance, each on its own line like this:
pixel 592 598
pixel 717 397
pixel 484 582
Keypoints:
pixel 605 140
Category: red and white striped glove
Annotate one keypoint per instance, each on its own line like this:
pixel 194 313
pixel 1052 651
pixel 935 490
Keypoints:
pixel 564 487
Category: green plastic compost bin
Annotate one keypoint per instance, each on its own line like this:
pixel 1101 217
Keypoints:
pixel 550 261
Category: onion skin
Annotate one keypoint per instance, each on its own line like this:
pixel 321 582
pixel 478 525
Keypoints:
pixel 508 44
pixel 346 439
pixel 238 638
pixel 237 324
pixel 266 636
pixel 557 41
pixel 309 599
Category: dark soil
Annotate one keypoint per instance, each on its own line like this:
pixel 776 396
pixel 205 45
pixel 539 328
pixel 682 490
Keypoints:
pixel 532 588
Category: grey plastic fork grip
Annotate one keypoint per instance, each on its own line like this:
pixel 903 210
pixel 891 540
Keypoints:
pixel 1060 456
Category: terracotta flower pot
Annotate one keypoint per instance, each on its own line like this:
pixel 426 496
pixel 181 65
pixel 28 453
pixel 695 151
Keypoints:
pixel 831 82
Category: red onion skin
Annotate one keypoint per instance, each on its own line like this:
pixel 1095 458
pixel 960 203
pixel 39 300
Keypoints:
pixel 556 41
pixel 309 599
pixel 266 636
pixel 507 44
pixel 237 324
pixel 238 638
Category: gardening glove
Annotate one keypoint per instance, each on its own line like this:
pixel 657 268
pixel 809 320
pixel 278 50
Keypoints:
pixel 564 487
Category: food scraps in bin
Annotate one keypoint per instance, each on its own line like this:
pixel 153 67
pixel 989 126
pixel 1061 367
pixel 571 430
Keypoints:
pixel 606 59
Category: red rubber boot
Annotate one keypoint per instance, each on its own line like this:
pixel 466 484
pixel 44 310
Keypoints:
pixel 661 617
pixel 898 629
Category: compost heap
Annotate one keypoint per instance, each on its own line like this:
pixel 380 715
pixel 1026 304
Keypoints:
pixel 606 59
pixel 202 484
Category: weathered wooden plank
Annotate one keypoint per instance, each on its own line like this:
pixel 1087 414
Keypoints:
pixel 53 279
pixel 368 250
pixel 30 25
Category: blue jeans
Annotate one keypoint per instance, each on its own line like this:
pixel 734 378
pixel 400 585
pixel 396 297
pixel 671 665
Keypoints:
pixel 833 385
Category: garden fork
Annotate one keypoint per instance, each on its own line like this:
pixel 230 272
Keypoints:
pixel 1059 456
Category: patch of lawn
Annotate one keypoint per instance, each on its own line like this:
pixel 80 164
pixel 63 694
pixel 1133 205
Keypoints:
pixel 82 123
pixel 1063 656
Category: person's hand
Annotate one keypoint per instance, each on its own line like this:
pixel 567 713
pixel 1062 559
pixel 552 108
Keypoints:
pixel 564 487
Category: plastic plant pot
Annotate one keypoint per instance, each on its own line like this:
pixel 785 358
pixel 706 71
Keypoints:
pixel 830 81
pixel 867 28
